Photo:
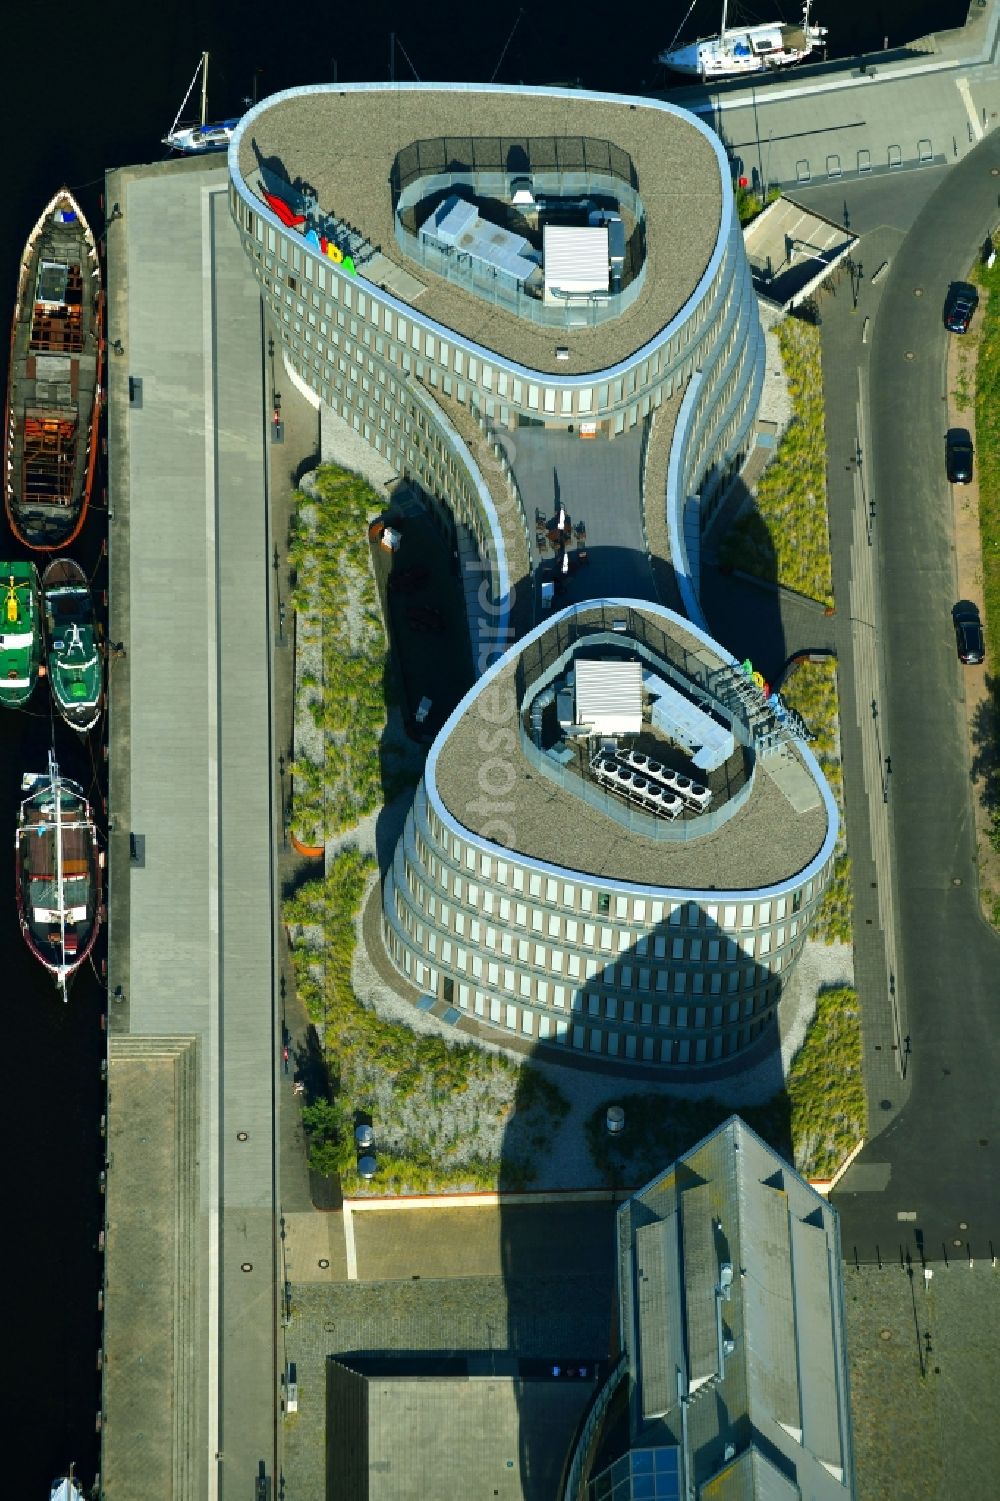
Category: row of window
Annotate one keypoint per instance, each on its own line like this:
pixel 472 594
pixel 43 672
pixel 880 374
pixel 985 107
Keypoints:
pixel 454 870
pixel 541 987
pixel 587 1037
pixel 313 290
pixel 592 938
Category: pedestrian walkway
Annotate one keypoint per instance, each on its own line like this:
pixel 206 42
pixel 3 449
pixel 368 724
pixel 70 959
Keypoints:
pixel 191 926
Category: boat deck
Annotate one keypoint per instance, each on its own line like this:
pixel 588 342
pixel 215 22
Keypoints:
pixel 54 380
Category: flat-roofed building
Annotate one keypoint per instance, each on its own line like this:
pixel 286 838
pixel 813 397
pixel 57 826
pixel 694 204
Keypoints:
pixel 732 1382
pixel 429 351
pixel 591 886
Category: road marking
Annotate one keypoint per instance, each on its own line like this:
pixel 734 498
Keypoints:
pixel 970 108
pixel 352 1254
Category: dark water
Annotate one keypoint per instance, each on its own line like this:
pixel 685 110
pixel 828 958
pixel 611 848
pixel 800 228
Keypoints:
pixel 84 89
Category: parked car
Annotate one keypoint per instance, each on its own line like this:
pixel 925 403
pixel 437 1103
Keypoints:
pixel 959 306
pixel 968 632
pixel 958 455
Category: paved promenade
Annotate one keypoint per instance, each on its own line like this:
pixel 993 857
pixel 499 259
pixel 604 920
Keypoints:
pixel 192 895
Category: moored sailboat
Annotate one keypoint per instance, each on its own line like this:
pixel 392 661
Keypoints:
pixel 739 50
pixel 72 651
pixel 58 872
pixel 192 140
pixel 20 633
pixel 54 380
pixel 66 1488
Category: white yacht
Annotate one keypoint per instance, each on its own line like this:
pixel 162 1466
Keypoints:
pixel 744 50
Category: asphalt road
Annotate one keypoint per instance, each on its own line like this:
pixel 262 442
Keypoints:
pixel 928 1182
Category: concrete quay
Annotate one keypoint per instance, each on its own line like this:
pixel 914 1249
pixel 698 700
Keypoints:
pixel 923 104
pixel 194 1046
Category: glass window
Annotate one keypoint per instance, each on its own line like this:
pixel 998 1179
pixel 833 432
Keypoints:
pixel 533 398
pixel 550 399
pixel 585 399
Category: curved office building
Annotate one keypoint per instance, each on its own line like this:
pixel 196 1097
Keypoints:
pixel 424 265
pixel 435 278
pixel 618 845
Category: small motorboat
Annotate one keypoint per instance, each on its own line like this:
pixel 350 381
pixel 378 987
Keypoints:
pixel 20 633
pixel 72 648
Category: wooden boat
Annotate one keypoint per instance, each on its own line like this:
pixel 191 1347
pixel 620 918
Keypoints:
pixel 54 380
pixel 20 633
pixel 72 649
pixel 59 872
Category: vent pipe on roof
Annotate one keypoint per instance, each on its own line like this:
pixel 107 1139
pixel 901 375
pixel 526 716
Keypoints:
pixel 541 703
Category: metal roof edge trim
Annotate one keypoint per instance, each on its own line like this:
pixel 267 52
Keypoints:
pixel 635 888
pixel 407 310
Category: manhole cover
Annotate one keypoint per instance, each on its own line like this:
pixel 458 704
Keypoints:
pixel 885 1334
pixel 885 1104
pixel 323 1262
pixel 247 1266
pixel 910 354
pixel 242 1136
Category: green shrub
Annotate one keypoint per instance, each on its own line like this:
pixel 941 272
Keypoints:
pixel 814 1120
pixel 811 689
pixel 363 1048
pixel 335 595
pixel 785 538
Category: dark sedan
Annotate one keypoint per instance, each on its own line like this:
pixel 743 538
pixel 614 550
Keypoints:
pixel 968 632
pixel 958 455
pixel 959 306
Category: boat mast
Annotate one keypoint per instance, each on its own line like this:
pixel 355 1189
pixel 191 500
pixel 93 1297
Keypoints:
pixel 725 12
pixel 187 96
pixel 56 787
pixel 204 87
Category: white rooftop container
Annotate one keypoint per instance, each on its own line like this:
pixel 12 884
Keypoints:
pixel 574 260
pixel 609 696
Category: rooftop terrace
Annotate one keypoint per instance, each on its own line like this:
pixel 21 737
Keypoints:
pixel 779 826
pixel 345 142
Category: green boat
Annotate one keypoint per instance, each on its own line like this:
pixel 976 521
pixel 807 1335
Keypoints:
pixel 20 633
pixel 71 644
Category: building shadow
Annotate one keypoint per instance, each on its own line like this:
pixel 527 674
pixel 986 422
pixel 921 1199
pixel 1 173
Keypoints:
pixel 559 1254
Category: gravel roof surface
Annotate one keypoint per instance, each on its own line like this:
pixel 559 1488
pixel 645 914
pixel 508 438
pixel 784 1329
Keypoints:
pixel 345 143
pixel 766 841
